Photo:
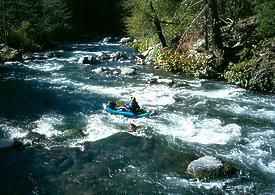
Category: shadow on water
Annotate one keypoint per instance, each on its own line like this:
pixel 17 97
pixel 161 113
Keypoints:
pixel 110 165
pixel 28 100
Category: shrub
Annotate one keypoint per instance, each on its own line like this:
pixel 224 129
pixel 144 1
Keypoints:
pixel 22 37
pixel 257 73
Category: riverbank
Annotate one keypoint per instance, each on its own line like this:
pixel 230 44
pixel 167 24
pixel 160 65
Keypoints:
pixel 8 53
pixel 248 58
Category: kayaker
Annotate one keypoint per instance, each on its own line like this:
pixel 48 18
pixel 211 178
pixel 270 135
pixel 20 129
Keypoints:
pixel 111 104
pixel 133 105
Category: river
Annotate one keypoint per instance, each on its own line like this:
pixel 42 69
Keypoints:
pixel 71 146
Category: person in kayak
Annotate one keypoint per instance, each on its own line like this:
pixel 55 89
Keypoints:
pixel 133 105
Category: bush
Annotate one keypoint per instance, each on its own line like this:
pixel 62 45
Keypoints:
pixel 180 63
pixel 257 73
pixel 22 37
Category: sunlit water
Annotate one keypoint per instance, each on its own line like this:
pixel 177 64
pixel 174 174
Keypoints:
pixel 72 146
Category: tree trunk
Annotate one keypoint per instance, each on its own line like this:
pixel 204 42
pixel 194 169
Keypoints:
pixel 157 24
pixel 216 38
pixel 214 21
pixel 206 26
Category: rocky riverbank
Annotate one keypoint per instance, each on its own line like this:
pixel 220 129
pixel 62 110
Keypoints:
pixel 248 58
pixel 8 54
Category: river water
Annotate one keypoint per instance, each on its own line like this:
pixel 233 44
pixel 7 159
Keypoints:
pixel 72 146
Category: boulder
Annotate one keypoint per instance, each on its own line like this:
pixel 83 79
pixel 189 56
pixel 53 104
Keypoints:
pixel 88 60
pixel 208 167
pixel 128 71
pixel 118 55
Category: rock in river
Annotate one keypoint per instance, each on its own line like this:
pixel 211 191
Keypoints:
pixel 209 167
pixel 128 71
pixel 88 60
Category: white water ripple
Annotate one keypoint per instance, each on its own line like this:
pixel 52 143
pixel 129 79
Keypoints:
pixel 193 129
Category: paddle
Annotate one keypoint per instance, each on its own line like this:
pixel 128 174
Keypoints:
pixel 120 104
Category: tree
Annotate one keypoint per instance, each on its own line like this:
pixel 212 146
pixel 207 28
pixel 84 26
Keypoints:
pixel 158 27
pixel 53 18
pixel 215 25
pixel 160 18
pixel 266 18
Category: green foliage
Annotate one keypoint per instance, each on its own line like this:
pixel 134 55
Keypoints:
pixel 27 24
pixel 175 17
pixel 144 44
pixel 258 72
pixel 175 62
pixel 240 73
pixel 236 9
pixel 266 18
pixel 22 37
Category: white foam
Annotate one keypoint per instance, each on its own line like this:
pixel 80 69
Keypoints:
pixel 45 67
pixel 98 128
pixel 271 167
pixel 221 93
pixel 147 95
pixel 12 131
pixel 46 125
pixel 193 129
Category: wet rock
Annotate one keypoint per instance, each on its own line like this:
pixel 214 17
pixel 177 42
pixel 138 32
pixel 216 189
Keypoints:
pixel 35 56
pixel 103 56
pixel 128 71
pixel 34 138
pixel 88 60
pixel 119 55
pixel 147 52
pixel 132 128
pixel 98 70
pixel 71 134
pixel 166 81
pixel 209 167
pixel 106 39
pixel 7 53
pixel 156 80
pixel 125 40
pixel 140 60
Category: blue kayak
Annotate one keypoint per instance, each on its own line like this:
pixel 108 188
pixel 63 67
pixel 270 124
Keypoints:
pixel 127 113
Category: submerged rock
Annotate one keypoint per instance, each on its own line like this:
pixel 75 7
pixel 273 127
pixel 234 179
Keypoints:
pixel 209 167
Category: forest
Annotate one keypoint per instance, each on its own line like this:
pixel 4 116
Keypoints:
pixel 232 40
